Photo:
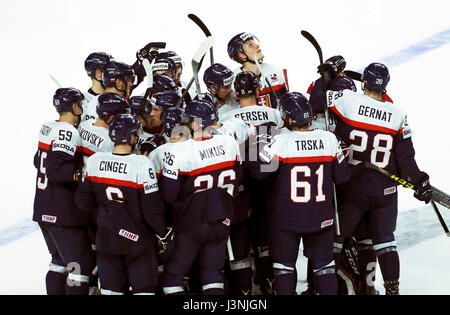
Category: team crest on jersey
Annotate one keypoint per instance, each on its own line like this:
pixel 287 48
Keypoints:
pixel 49 218
pixel 274 77
pixel 326 223
pixel 227 222
pixel 129 235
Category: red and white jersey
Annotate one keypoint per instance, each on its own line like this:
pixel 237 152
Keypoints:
pixel 90 110
pixel 277 78
pixel 307 164
pixel 256 115
pixel 237 128
pixel 94 139
pixel 159 156
pixel 54 137
pixel 365 113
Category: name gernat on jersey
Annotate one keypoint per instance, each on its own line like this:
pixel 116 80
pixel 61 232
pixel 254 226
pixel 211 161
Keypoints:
pixel 307 164
pixel 199 178
pixel 125 186
pixel 377 132
pixel 56 137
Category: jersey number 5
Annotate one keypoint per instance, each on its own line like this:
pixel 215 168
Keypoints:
pixel 42 184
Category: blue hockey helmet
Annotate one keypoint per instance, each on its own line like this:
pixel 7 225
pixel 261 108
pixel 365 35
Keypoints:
pixel 375 77
pixel 172 55
pixel 200 109
pixel 164 63
pixel 235 45
pixel 246 83
pixel 342 83
pixel 122 127
pixel 172 118
pixel 209 98
pixel 337 63
pixel 111 104
pixel 96 60
pixel 139 106
pixel 117 70
pixel 65 97
pixel 295 105
pixel 165 99
pixel 164 82
pixel 218 75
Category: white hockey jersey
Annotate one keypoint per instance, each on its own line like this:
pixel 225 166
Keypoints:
pixel 255 115
pixel 237 128
pixel 94 139
pixel 90 111
pixel 277 78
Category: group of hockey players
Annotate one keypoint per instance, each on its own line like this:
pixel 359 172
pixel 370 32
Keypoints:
pixel 178 192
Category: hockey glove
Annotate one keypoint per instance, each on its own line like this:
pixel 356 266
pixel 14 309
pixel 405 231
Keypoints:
pixel 151 143
pixel 423 187
pixel 165 239
pixel 150 51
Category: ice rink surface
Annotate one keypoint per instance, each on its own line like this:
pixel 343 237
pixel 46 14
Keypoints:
pixel 54 37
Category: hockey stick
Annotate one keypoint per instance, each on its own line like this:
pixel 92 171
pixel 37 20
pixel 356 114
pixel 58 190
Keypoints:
pixel 197 61
pixel 54 80
pixel 205 30
pixel 316 45
pixel 267 81
pixel 353 75
pixel 437 195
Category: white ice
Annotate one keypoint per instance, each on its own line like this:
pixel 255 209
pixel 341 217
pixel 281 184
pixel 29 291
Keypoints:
pixel 39 38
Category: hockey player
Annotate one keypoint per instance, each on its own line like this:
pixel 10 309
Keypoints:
pixel 307 163
pixel 244 48
pixel 64 227
pixel 247 87
pixel 118 78
pixel 164 64
pixel 131 212
pixel 94 133
pixel 219 82
pixel 378 133
pixel 94 65
pixel 180 83
pixel 200 182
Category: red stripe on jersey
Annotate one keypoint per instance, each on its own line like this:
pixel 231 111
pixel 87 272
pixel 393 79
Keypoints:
pixel 286 79
pixel 44 146
pixel 267 90
pixel 386 98
pixel 307 159
pixel 87 151
pixel 209 168
pixel 310 88
pixel 112 181
pixel 203 138
pixel 362 125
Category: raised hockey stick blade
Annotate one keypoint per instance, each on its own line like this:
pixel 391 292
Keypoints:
pixel 205 30
pixel 353 75
pixel 198 57
pixel 438 195
pixel 316 45
pixel 54 80
pixel 149 74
